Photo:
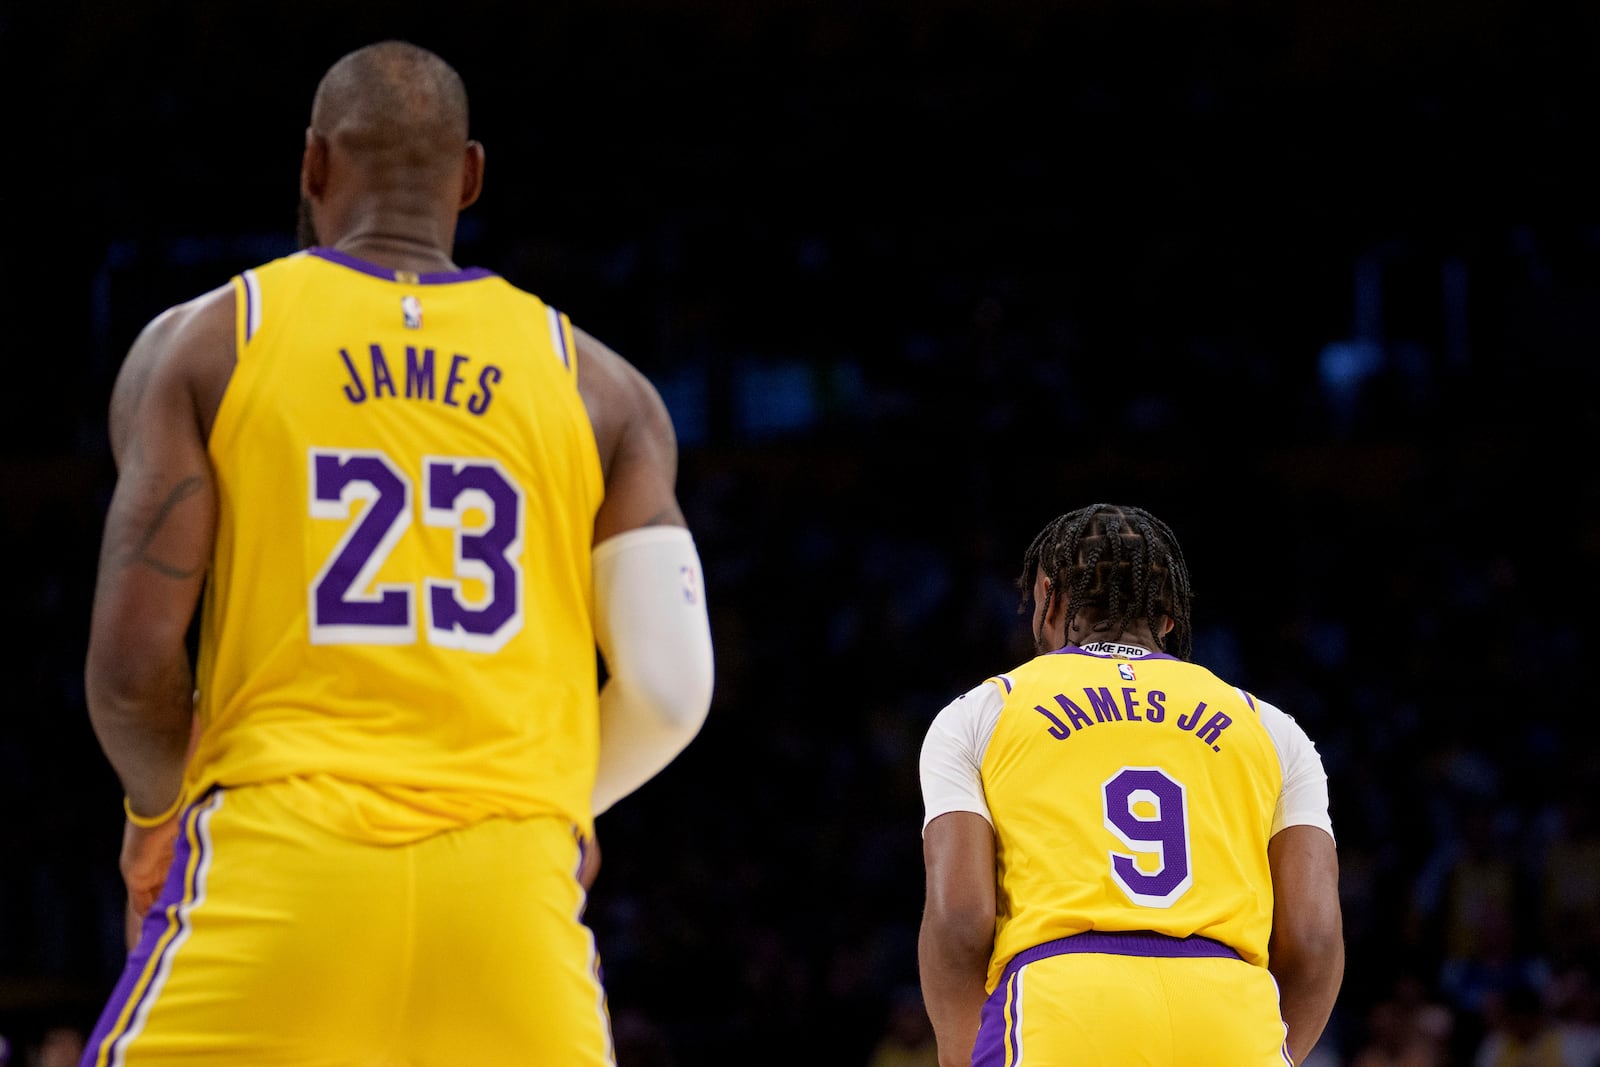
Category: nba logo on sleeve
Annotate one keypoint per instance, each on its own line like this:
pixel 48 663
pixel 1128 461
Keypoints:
pixel 691 585
pixel 411 311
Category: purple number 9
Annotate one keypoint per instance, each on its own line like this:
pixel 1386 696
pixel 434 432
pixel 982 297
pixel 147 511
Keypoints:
pixel 1148 812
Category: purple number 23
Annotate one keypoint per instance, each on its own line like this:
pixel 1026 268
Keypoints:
pixel 348 607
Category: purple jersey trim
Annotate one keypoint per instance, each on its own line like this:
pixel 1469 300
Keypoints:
pixel 249 304
pixel 1123 943
pixel 559 336
pixel 438 277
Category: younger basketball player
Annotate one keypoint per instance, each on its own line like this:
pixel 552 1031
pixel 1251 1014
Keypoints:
pixel 1129 861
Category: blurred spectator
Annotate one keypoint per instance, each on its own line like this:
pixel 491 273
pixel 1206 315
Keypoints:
pixel 1477 985
pixel 1574 998
pixel 1406 1029
pixel 1392 1040
pixel 1465 898
pixel 1569 903
pixel 907 1039
pixel 58 1046
pixel 1521 1033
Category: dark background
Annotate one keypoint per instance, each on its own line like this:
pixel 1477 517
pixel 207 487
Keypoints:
pixel 1317 283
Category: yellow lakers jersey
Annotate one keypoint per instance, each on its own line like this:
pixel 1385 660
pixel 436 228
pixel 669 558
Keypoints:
pixel 398 616
pixel 1129 794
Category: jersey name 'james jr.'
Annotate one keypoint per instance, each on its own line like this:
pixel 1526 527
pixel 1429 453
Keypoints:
pixel 1100 704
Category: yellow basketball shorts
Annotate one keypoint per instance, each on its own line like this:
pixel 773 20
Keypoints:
pixel 1132 1000
pixel 276 942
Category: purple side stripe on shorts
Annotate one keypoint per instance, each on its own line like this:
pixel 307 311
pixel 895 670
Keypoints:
pixel 142 973
pixel 1015 1004
pixel 990 1051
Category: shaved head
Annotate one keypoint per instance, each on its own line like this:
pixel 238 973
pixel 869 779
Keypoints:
pixel 393 106
pixel 387 155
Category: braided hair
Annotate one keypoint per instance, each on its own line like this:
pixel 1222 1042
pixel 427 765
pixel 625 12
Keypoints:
pixel 1122 564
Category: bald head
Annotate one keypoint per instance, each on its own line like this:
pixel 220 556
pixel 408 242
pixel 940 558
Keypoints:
pixel 393 105
pixel 387 160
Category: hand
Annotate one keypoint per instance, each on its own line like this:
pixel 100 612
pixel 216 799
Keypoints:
pixel 146 856
pixel 590 865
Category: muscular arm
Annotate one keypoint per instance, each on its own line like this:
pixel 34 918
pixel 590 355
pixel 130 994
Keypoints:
pixel 1306 952
pixel 156 547
pixel 650 612
pixel 957 934
pixel 153 559
pixel 633 432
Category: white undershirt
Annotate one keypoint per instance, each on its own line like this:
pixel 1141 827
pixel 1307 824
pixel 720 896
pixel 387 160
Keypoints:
pixel 953 751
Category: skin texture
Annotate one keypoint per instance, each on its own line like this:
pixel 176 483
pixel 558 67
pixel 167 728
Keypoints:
pixel 153 560
pixel 1306 949
pixel 387 191
pixel 1306 952
pixel 957 935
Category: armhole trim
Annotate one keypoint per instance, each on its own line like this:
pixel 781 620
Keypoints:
pixel 249 313
pixel 561 338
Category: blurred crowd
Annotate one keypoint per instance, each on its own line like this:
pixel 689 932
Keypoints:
pixel 894 348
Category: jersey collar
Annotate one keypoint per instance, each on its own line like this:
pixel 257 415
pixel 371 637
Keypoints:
pixel 438 277
pixel 1113 649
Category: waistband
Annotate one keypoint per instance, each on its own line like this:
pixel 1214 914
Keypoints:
pixel 1122 943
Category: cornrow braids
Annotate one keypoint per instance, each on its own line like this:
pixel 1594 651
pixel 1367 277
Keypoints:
pixel 1121 563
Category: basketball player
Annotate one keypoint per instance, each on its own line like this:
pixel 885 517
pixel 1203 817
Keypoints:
pixel 418 499
pixel 1129 861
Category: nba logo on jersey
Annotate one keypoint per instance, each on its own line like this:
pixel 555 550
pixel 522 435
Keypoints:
pixel 411 311
pixel 1126 671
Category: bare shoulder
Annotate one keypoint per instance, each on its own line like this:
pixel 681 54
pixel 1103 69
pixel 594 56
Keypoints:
pixel 624 407
pixel 189 348
pixel 634 435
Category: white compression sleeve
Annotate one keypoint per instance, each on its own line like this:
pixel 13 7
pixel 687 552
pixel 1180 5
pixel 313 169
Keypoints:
pixel 651 623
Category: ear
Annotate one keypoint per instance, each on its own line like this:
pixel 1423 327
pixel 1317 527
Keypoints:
pixel 314 166
pixel 472 175
pixel 1167 623
pixel 1058 605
